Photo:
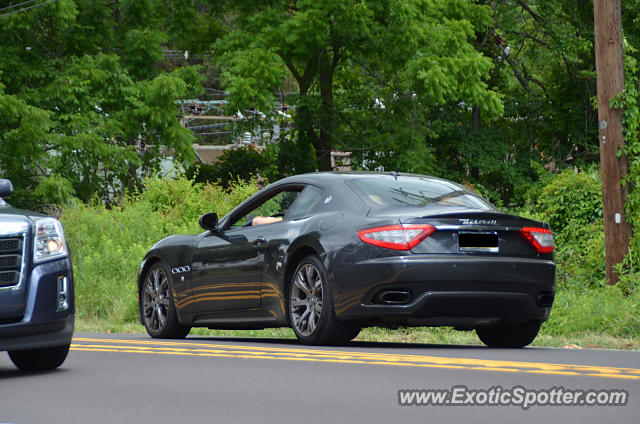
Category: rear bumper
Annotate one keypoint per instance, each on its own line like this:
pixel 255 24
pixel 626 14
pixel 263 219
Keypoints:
pixel 42 325
pixel 451 290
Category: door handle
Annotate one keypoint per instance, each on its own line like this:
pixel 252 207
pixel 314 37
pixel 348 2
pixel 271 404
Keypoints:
pixel 257 242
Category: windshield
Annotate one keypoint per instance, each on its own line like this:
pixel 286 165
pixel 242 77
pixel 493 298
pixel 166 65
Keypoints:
pixel 403 191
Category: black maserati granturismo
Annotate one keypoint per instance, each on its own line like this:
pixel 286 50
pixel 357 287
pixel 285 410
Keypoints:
pixel 330 253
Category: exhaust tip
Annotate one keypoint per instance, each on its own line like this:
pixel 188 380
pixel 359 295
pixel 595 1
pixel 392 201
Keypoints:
pixel 545 299
pixel 393 297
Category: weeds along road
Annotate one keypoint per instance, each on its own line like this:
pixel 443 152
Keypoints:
pixel 122 378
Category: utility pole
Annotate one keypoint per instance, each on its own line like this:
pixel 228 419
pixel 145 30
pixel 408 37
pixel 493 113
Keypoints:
pixel 610 76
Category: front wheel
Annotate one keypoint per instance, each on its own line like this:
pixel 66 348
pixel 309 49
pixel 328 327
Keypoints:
pixel 42 359
pixel 311 312
pixel 157 308
pixel 509 336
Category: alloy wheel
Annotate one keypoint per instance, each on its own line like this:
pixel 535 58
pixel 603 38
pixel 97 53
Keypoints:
pixel 155 299
pixel 306 299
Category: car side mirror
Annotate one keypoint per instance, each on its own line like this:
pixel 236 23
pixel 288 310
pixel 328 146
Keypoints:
pixel 209 221
pixel 6 187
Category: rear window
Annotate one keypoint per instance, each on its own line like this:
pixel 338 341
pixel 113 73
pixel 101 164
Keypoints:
pixel 404 191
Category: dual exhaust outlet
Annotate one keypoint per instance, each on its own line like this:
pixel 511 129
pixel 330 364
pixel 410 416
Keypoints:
pixel 392 297
pixel 401 297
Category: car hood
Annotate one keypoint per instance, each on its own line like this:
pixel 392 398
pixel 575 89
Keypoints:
pixel 14 221
pixel 10 211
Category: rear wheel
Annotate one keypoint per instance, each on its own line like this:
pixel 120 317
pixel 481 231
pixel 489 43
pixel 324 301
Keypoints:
pixel 510 336
pixel 311 310
pixel 157 307
pixel 47 358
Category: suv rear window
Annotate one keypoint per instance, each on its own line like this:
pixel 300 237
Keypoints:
pixel 404 191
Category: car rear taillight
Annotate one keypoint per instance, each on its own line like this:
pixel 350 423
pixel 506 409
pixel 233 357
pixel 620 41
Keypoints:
pixel 397 237
pixel 540 238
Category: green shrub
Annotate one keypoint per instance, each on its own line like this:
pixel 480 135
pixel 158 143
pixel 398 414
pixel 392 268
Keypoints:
pixel 629 280
pixel 571 202
pixel 629 269
pixel 571 198
pixel 242 163
pixel 245 163
pixel 202 173
pixel 107 245
pixel 602 310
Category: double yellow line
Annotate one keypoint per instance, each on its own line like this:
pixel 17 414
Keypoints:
pixel 186 348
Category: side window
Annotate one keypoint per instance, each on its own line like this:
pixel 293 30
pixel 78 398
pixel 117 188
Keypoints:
pixel 276 206
pixel 309 200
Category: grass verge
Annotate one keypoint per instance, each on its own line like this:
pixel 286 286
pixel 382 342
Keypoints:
pixel 430 336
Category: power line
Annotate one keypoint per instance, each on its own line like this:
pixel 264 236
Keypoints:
pixel 214 133
pixel 206 127
pixel 215 90
pixel 17 5
pixel 27 8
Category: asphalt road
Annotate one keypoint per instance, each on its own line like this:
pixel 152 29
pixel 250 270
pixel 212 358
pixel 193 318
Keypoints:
pixel 118 378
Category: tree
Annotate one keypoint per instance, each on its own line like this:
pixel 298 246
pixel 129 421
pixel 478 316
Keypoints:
pixel 22 127
pixel 94 106
pixel 345 57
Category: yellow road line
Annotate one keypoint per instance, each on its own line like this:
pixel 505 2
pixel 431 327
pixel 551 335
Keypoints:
pixel 304 351
pixel 339 356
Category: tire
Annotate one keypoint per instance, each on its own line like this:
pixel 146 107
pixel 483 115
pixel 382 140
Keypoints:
pixel 310 306
pixel 157 308
pixel 509 336
pixel 42 359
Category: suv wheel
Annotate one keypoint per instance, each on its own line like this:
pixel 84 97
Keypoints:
pixel 42 359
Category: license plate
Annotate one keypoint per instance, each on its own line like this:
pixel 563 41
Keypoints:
pixel 478 241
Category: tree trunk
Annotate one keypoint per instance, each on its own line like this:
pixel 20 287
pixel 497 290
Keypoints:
pixel 323 143
pixel 475 120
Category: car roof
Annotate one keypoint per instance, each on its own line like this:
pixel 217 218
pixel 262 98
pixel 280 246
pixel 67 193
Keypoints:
pixel 350 199
pixel 332 177
pixel 334 183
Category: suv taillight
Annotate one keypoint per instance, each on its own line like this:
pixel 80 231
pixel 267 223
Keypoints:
pixel 397 237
